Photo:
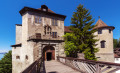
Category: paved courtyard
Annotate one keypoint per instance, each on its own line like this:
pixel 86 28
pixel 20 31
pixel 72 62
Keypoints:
pixel 57 67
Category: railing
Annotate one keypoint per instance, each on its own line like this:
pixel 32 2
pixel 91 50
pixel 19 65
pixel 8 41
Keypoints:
pixel 35 67
pixel 89 66
pixel 45 37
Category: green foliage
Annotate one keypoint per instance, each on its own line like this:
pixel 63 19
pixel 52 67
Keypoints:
pixel 81 40
pixel 6 63
pixel 70 48
pixel 116 43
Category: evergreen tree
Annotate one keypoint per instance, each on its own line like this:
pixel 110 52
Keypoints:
pixel 82 34
pixel 115 43
pixel 6 63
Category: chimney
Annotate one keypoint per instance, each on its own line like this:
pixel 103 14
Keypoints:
pixel 44 8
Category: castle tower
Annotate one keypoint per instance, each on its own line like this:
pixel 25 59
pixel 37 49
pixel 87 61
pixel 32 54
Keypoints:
pixel 105 44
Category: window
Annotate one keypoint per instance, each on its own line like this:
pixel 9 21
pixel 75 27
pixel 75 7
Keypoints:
pixel 54 22
pixel 54 34
pixel 26 57
pixel 99 31
pixel 38 19
pixel 38 35
pixel 17 57
pixel 109 30
pixel 102 44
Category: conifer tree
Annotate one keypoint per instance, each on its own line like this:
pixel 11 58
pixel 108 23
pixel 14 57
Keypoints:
pixel 6 63
pixel 82 30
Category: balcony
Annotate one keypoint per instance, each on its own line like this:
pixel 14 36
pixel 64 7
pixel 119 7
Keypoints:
pixel 39 37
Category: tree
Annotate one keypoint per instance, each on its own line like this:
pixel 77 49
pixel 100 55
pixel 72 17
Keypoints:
pixel 6 63
pixel 82 34
pixel 115 43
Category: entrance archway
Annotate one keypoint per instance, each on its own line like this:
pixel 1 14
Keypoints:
pixel 49 53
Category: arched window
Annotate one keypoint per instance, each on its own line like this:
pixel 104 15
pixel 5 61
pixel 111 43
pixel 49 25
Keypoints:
pixel 103 44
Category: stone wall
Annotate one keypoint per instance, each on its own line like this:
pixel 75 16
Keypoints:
pixel 30 51
pixel 46 20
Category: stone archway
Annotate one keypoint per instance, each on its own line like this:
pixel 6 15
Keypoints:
pixel 49 53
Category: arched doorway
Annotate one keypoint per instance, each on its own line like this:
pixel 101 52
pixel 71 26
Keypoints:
pixel 49 53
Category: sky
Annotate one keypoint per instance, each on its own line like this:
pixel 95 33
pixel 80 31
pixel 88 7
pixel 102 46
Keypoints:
pixel 108 10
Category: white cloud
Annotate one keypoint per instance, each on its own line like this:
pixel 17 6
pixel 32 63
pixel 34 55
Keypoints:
pixel 4 51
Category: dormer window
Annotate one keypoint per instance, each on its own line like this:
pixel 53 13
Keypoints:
pixel 44 10
pixel 99 31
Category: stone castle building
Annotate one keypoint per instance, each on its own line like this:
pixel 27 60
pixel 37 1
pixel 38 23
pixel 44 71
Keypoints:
pixel 41 33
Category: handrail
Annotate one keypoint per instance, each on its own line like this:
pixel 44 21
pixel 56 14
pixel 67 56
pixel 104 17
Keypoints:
pixel 35 67
pixel 89 66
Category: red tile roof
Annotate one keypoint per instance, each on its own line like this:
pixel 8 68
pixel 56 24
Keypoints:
pixel 101 24
pixel 48 10
pixel 117 53
pixel 67 29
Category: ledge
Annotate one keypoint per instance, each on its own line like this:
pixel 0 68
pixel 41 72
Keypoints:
pixel 16 45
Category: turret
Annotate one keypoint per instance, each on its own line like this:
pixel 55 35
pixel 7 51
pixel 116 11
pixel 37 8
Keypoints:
pixel 105 44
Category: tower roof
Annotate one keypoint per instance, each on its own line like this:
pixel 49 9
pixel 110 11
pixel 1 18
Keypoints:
pixel 101 24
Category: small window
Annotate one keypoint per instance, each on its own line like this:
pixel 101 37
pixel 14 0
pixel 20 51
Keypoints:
pixel 99 31
pixel 109 30
pixel 54 22
pixel 38 35
pixel 38 19
pixel 102 44
pixel 26 57
pixel 17 57
pixel 54 34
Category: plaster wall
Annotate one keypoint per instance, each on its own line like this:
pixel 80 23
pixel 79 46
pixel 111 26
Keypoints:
pixel 16 63
pixel 18 34
pixel 105 54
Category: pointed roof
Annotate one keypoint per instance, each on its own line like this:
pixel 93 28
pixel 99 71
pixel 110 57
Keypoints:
pixel 101 24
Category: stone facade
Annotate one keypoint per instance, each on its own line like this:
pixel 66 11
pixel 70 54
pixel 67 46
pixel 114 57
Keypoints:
pixel 30 50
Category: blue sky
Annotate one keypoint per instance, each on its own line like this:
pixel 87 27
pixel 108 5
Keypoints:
pixel 108 10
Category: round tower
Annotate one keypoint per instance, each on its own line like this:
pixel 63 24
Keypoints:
pixel 105 44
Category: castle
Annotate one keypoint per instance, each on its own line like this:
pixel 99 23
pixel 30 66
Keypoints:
pixel 42 32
